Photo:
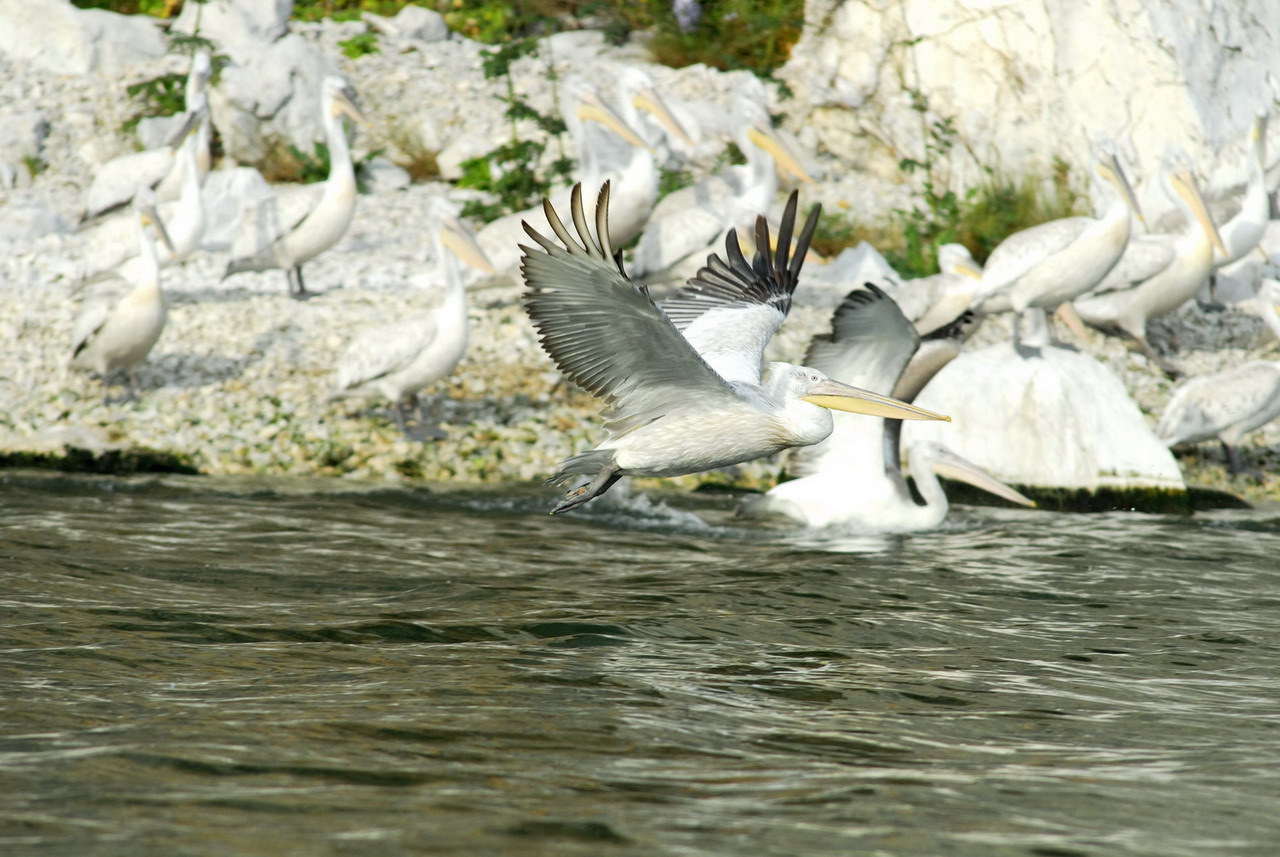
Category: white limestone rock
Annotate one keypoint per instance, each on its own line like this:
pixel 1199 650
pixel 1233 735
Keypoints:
pixel 235 22
pixel 1058 419
pixel 23 222
pixel 412 24
pixel 57 37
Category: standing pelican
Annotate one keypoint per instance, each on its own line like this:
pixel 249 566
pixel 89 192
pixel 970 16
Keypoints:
pixel 1055 262
pixel 1224 406
pixel 397 360
pixel 1242 232
pixel 1157 273
pixel 290 244
pixel 118 332
pixel 196 100
pixel 854 477
pixel 118 180
pixel 686 222
pixel 682 384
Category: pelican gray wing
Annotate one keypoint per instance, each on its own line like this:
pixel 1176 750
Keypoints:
pixel 1143 258
pixel 1225 404
pixel 1018 253
pixel 380 351
pixel 731 309
pixel 869 344
pixel 603 331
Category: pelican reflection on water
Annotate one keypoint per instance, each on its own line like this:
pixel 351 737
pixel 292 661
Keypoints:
pixel 682 383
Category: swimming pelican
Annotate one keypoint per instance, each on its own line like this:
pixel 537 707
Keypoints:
pixel 1224 406
pixel 118 180
pixel 117 332
pixel 682 384
pixel 686 222
pixel 854 477
pixel 289 244
pixel 1242 232
pixel 1055 262
pixel 936 301
pixel 397 360
pixel 1157 273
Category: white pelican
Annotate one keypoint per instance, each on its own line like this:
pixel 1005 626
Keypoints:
pixel 1224 406
pixel 288 244
pixel 584 113
pixel 1157 273
pixel 682 384
pixel 397 360
pixel 1242 232
pixel 1055 262
pixel 118 331
pixel 854 477
pixel 116 182
pixel 687 222
pixel 936 301
pixel 196 100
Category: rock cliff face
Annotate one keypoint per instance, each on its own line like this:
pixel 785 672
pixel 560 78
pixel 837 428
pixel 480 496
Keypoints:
pixel 1026 81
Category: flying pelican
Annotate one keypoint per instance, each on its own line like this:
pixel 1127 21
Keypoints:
pixel 854 477
pixel 1055 262
pixel 1157 273
pixel 111 334
pixel 1225 405
pixel 290 244
pixel 686 222
pixel 682 384
pixel 119 179
pixel 1242 232
pixel 936 301
pixel 584 112
pixel 397 360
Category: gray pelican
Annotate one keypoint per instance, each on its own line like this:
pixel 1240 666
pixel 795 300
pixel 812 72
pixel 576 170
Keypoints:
pixel 119 179
pixel 682 384
pixel 118 331
pixel 1242 232
pixel 936 301
pixel 1157 273
pixel 1055 262
pixel 854 477
pixel 290 244
pixel 1224 406
pixel 398 359
pixel 687 222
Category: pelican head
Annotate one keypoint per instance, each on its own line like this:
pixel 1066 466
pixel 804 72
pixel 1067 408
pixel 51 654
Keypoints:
pixel 1258 137
pixel 1181 182
pixel 956 259
pixel 442 214
pixel 1109 168
pixel 949 465
pixel 201 66
pixel 590 108
pixel 638 88
pixel 340 99
pixel 762 135
pixel 812 386
pixel 145 205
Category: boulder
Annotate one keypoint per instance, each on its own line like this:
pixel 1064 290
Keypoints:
pixel 235 22
pixel 57 37
pixel 412 24
pixel 1054 419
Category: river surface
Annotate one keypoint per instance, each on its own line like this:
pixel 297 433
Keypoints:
pixel 197 667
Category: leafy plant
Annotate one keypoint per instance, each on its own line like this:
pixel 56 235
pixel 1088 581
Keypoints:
pixel 359 45
pixel 159 96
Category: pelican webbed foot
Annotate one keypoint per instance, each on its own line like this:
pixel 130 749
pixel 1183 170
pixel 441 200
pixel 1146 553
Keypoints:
pixel 603 482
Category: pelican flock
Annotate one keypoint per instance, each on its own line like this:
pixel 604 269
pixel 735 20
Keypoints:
pixel 682 383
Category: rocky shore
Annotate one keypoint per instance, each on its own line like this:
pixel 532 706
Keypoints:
pixel 240 380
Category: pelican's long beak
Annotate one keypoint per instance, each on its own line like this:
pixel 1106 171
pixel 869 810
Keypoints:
pixel 843 397
pixel 782 155
pixel 649 101
pixel 951 466
pixel 459 240
pixel 964 269
pixel 151 217
pixel 345 102
pixel 186 129
pixel 592 109
pixel 1109 168
pixel 1185 186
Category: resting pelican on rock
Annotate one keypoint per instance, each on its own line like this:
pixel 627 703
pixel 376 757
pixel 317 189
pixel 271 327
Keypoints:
pixel 1242 232
pixel 288 243
pixel 1055 262
pixel 1224 406
pixel 397 360
pixel 936 301
pixel 1157 273
pixel 854 477
pixel 682 384
pixel 118 331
